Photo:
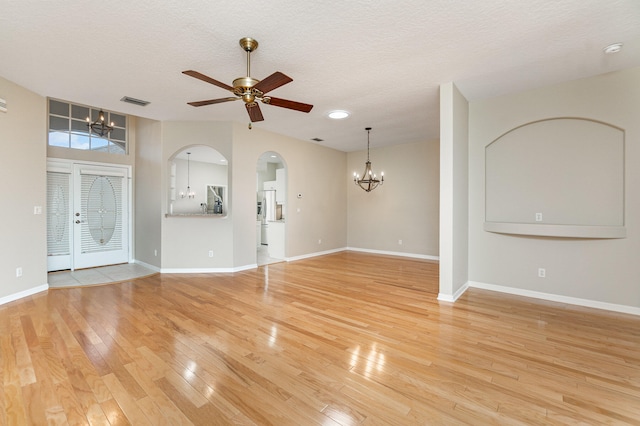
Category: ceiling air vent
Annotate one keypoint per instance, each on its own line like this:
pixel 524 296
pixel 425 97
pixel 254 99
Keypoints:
pixel 135 101
pixel 3 105
pixel 317 140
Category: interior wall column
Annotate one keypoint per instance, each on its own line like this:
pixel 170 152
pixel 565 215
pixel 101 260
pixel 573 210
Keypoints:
pixel 454 193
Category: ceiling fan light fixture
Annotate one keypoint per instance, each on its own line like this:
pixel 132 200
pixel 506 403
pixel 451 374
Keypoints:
pixel 338 114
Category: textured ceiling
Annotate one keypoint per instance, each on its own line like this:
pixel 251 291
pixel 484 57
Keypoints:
pixel 381 60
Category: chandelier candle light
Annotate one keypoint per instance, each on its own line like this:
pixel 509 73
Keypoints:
pixel 189 193
pixel 99 127
pixel 369 180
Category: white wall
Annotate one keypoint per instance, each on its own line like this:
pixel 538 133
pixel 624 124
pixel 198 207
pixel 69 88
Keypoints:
pixel 23 139
pixel 186 241
pixel 404 208
pixel 147 212
pixel 454 191
pixel 322 209
pixel 601 270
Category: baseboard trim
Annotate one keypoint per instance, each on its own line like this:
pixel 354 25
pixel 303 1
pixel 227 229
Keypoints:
pixel 557 298
pixel 207 270
pixel 395 253
pixel 146 265
pixel 288 259
pixel 316 254
pixel 24 293
pixel 452 298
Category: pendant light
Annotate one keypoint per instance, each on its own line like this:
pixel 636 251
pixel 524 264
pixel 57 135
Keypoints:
pixel 369 180
pixel 189 193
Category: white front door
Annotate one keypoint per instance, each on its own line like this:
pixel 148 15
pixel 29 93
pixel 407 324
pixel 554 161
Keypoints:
pixel 92 217
pixel 100 216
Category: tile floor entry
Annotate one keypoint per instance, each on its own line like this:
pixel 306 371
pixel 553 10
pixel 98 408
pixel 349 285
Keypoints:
pixel 100 275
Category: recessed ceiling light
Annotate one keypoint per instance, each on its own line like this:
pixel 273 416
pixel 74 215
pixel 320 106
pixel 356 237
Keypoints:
pixel 338 114
pixel 613 48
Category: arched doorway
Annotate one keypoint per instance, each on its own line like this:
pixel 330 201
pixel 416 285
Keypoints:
pixel 271 200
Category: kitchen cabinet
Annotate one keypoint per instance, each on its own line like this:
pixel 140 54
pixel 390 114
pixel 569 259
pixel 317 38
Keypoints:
pixel 270 184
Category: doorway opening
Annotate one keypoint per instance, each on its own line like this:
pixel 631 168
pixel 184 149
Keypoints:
pixel 271 202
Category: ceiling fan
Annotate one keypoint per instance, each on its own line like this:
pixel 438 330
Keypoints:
pixel 250 89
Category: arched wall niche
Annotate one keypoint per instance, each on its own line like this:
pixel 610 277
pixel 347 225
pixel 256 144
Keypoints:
pixel 559 177
pixel 202 172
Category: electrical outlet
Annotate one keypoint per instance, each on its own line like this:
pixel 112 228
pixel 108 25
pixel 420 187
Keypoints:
pixel 18 272
pixel 319 241
pixel 210 253
pixel 538 217
pixel 399 242
pixel 37 209
pixel 542 273
pixel 155 252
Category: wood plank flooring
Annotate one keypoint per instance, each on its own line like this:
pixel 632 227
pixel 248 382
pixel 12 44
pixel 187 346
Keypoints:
pixel 342 339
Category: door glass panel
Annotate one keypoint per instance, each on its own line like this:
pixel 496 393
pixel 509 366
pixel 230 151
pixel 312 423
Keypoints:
pixel 57 214
pixel 102 230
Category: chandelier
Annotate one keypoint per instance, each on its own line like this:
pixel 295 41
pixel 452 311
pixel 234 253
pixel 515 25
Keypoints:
pixel 189 193
pixel 369 180
pixel 99 127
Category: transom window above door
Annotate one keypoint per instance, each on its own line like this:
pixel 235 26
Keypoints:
pixel 68 128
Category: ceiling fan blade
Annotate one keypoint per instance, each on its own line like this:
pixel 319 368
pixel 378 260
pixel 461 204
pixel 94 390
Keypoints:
pixel 211 101
pixel 274 81
pixel 284 103
pixel 254 112
pixel 199 76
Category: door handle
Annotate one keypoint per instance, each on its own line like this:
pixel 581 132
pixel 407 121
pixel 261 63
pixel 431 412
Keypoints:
pixel 78 221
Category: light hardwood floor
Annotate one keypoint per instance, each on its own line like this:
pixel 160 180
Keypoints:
pixel 343 339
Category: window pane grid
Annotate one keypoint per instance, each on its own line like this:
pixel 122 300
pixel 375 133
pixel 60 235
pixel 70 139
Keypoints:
pixel 68 128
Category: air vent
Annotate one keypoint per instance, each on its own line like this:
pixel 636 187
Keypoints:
pixel 3 105
pixel 317 140
pixel 135 101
